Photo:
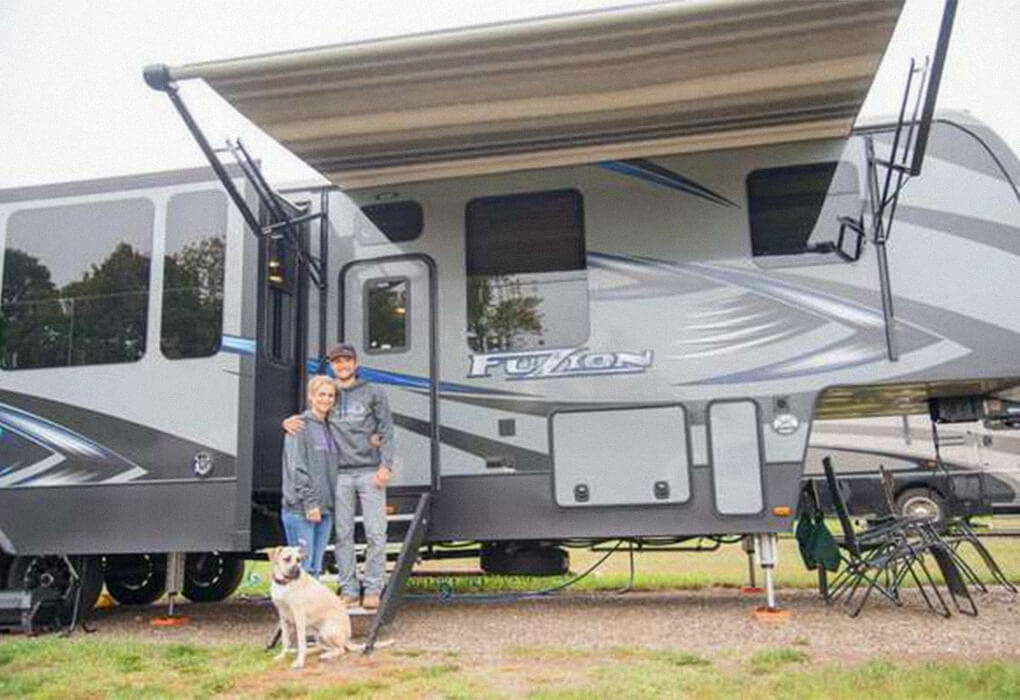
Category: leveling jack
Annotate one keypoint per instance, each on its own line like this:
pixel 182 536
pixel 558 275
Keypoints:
pixel 174 586
pixel 766 548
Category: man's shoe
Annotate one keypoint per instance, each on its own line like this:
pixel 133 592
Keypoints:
pixel 351 601
pixel 371 601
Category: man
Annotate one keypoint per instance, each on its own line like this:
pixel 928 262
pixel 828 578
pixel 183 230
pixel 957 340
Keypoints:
pixel 361 417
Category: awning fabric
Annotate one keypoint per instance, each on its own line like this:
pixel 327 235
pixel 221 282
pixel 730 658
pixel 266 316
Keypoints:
pixel 661 78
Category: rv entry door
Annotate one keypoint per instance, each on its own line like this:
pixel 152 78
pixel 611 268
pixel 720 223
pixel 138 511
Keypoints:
pixel 388 313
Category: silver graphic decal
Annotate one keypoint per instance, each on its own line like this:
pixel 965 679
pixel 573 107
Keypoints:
pixel 560 362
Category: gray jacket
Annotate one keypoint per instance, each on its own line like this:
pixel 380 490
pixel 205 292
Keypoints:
pixel 309 466
pixel 361 410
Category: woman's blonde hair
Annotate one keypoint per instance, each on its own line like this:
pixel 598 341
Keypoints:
pixel 316 382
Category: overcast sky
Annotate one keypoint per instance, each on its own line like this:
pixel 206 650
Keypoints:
pixel 74 105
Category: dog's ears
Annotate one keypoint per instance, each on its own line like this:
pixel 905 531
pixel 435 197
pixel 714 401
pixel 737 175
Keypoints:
pixel 272 552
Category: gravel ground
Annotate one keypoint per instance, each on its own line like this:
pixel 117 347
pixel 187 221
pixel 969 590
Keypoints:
pixel 716 623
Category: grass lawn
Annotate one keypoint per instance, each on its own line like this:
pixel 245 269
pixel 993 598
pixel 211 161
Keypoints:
pixel 91 667
pixel 83 668
pixel 726 567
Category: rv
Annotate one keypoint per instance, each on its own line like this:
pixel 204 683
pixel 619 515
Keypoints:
pixel 976 469
pixel 610 267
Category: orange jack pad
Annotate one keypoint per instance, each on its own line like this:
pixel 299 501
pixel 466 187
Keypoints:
pixel 763 614
pixel 168 621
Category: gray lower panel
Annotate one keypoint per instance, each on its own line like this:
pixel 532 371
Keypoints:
pixel 521 506
pixel 120 518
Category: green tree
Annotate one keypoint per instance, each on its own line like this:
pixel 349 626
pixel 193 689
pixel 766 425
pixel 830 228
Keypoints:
pixel 107 309
pixel 500 313
pixel 193 298
pixel 32 322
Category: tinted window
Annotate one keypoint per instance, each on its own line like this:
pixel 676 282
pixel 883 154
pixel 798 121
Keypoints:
pixel 783 204
pixel 540 232
pixel 76 284
pixel 387 301
pixel 398 221
pixel 193 274
pixel 526 280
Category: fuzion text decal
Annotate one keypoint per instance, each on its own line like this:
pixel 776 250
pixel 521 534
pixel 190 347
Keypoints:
pixel 561 362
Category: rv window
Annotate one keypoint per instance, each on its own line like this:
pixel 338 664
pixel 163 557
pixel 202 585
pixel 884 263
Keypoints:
pixel 784 205
pixel 397 221
pixel 76 284
pixel 527 285
pixel 196 240
pixel 387 304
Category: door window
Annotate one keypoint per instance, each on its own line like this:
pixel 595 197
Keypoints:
pixel 387 304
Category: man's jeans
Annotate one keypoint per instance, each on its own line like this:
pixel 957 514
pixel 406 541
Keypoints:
pixel 360 481
pixel 312 536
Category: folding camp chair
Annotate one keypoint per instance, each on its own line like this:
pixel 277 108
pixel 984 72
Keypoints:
pixel 951 565
pixel 958 531
pixel 878 559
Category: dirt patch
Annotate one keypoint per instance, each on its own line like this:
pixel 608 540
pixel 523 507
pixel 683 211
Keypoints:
pixel 713 623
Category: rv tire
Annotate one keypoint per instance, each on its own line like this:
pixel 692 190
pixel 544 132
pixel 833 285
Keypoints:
pixel 922 503
pixel 136 579
pixel 51 571
pixel 210 577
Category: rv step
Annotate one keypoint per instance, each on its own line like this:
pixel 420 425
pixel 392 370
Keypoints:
pixel 395 518
pixel 413 539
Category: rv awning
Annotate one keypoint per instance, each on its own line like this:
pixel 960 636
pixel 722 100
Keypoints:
pixel 665 77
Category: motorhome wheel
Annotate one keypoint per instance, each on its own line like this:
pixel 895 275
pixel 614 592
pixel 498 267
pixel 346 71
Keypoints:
pixel 210 577
pixel 922 503
pixel 136 579
pixel 52 571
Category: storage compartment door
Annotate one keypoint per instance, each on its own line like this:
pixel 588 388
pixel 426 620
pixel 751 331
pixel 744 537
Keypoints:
pixel 620 457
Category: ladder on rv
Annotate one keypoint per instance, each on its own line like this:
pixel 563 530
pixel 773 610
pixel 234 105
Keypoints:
pixel 904 160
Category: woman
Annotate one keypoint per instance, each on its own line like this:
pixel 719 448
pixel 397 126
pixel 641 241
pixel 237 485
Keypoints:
pixel 310 461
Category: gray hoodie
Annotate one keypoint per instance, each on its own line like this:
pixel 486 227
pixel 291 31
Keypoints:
pixel 360 410
pixel 309 466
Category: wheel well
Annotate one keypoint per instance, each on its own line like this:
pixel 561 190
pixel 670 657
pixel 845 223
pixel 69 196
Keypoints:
pixel 928 486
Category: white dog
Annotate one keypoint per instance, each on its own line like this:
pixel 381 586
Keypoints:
pixel 304 604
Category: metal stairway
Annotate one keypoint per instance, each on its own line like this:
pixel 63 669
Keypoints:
pixel 414 536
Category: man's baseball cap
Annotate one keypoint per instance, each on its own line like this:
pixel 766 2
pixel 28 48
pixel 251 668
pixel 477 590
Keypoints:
pixel 342 350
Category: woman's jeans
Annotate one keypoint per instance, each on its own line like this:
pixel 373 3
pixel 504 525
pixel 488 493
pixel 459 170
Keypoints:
pixel 359 482
pixel 314 537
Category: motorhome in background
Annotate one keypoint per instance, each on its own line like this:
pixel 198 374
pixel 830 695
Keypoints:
pixel 614 321
pixel 978 471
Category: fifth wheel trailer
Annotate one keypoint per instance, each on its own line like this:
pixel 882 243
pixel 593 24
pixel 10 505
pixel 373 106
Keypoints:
pixel 609 267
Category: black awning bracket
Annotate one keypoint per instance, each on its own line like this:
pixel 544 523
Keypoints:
pixel 904 161
pixel 284 217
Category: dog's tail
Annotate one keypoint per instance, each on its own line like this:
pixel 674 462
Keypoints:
pixel 351 646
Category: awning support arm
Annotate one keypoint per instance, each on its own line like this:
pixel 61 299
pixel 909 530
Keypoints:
pixel 158 78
